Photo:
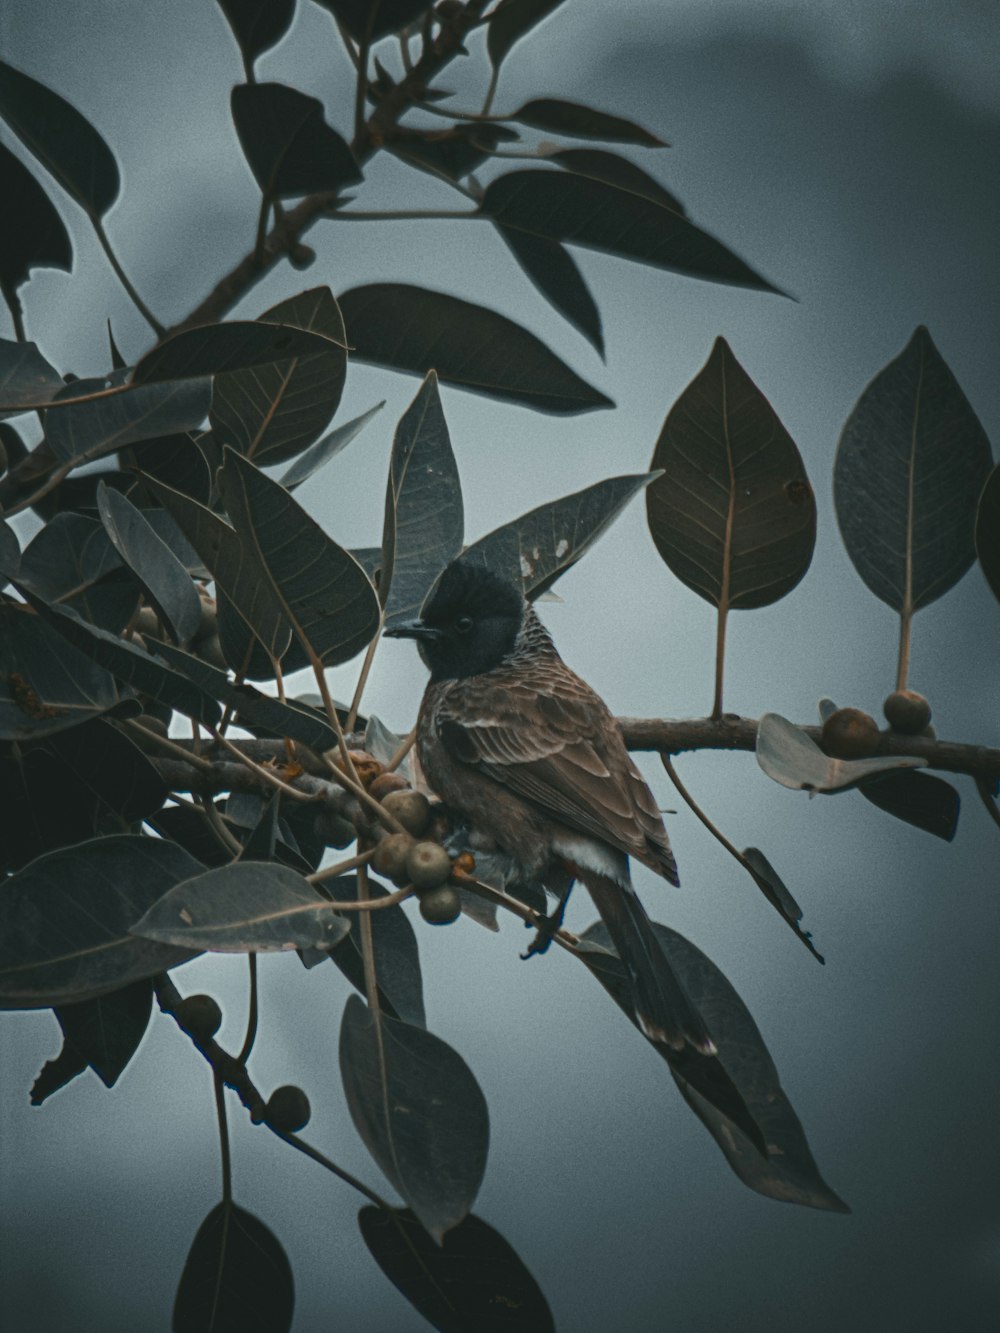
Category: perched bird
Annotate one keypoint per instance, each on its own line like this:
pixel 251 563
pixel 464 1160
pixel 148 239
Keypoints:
pixel 523 750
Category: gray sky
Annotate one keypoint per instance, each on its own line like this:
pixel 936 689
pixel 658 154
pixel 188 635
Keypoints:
pixel 851 156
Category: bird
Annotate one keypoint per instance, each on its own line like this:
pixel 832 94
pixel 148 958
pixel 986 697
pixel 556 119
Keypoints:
pixel 528 755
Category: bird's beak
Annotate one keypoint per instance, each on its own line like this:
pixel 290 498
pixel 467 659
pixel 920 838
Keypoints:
pixel 412 629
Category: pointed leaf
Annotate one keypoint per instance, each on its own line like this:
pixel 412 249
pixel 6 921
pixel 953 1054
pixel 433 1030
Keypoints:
pixel 556 116
pixel 288 144
pixel 176 460
pixel 366 20
pixel 543 543
pixel 247 905
pixel 420 1112
pixel 73 563
pixel 554 272
pixel 323 591
pixel 510 21
pixel 65 920
pixel 583 211
pixel 733 514
pixel 778 895
pixel 213 349
pixel 237 1276
pixel 789 756
pixel 453 152
pixel 55 1074
pixel 244 653
pixel 271 413
pixel 412 329
pixel 25 378
pixel 397 962
pixel 921 799
pixel 166 582
pixel 473 1280
pixel 988 531
pixel 63 140
pixel 84 431
pixel 600 165
pixel 32 234
pixel 423 506
pixel 257 24
pixel 317 455
pixel 910 467
pixel 10 552
pixel 107 1031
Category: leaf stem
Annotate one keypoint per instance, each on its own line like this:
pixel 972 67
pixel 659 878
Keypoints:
pixel 150 737
pixel 228 840
pixel 400 215
pixel 144 310
pixel 227 1161
pixel 55 479
pixel 252 1012
pixel 315 1155
pixel 720 659
pixel 260 239
pixel 404 749
pixel 341 868
pixel 366 666
pixel 905 628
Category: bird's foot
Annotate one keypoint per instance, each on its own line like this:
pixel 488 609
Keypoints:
pixel 545 928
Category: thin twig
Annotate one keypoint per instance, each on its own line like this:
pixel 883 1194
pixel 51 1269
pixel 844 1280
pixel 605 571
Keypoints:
pixel 366 666
pixel 564 937
pixel 341 868
pixel 905 634
pixel 699 812
pixel 403 215
pixel 260 240
pixel 404 749
pixel 268 777
pixel 144 310
pixel 227 1160
pixel 252 1012
pixel 368 904
pixel 228 840
pixel 165 743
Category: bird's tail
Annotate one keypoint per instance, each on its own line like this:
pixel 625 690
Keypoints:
pixel 662 1008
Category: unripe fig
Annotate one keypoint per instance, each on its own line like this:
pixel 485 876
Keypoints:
pixel 210 650
pixel 334 829
pixel 411 808
pixel 428 865
pixel 200 1015
pixel 288 1109
pixel 850 734
pixel 391 857
pixel 147 622
pixel 440 906
pixel 209 615
pixel 387 782
pixel 907 711
pixel 301 256
pixel 152 723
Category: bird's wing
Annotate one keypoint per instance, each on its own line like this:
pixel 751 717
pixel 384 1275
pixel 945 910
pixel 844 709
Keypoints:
pixel 550 739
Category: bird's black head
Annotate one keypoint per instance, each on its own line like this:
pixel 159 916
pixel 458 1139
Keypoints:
pixel 469 622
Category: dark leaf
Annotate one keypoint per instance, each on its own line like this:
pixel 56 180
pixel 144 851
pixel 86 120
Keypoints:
pixel 77 494
pixel 788 1172
pixel 176 460
pixel 778 894
pixel 243 651
pixel 243 906
pixel 412 329
pixel 90 430
pixel 166 582
pixel 26 378
pixel 373 19
pixel 988 531
pixel 382 744
pixel 323 450
pixel 511 20
pixel 261 841
pixel 581 210
pixel 554 272
pixel 107 1031
pixel 420 1112
pixel 263 827
pixel 70 563
pixel 452 152
pixel 543 543
pixel 289 146
pixel 32 234
pixel 257 24
pixel 473 1280
pixel 600 165
pixel 65 920
pixel 322 590
pixel 733 514
pixel 10 552
pixel 909 471
pixel 190 828
pixel 87 780
pixel 397 962
pixel 118 362
pixel 555 116
pixel 63 140
pixel 788 755
pixel 55 1074
pixel 921 799
pixel 237 1278
pixel 214 349
pixel 271 413
pixel 424 519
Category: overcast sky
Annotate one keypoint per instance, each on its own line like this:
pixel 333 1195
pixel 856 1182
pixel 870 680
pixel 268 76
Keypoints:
pixel 848 152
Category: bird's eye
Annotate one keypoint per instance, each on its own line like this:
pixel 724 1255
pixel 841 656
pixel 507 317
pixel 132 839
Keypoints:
pixel 463 624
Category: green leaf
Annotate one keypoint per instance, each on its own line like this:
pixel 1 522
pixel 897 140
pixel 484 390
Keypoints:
pixel 733 514
pixel 317 455
pixel 921 799
pixel 579 210
pixel 244 653
pixel 166 582
pixel 249 905
pixel 375 18
pixel 988 531
pixel 236 1277
pixel 107 1031
pixel 556 116
pixel 26 378
pixel 453 152
pixel 543 543
pixel 420 1112
pixel 176 460
pixel 85 431
pixel 510 21
pixel 473 1280
pixel 910 468
pixel 789 756
pixel 322 590
pixel 778 895
pixel 600 165
pixel 397 962
pixel 271 413
pixel 213 349
pixel 65 920
pixel 554 272
pixel 424 519
pixel 72 562
pixel 290 148
pixel 257 25
pixel 32 234
pixel 62 140
pixel 412 329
